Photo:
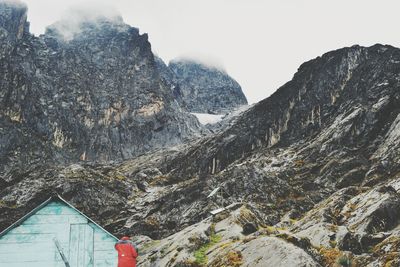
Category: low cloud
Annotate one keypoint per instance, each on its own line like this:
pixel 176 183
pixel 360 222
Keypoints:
pixel 16 3
pixel 202 59
pixel 71 22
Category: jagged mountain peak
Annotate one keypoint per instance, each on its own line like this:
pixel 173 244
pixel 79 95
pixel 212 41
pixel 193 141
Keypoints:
pixel 315 164
pixel 13 19
pixel 356 84
pixel 305 176
pixel 73 99
pixel 197 63
pixel 203 88
pixel 84 23
pixel 318 161
pixel 346 55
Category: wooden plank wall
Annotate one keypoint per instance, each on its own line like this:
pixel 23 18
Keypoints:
pixel 31 243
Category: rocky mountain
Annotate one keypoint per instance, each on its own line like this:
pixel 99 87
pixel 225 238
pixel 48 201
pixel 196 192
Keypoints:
pixel 87 89
pixel 171 80
pixel 307 177
pixel 201 88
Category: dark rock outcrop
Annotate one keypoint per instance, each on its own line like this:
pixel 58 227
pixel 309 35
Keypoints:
pixel 333 127
pixel 171 80
pixel 346 101
pixel 13 22
pixel 316 164
pixel 203 89
pixel 86 90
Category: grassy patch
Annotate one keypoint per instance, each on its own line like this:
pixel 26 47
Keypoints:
pixel 201 254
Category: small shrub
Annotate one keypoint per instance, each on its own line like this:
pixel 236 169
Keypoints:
pixel 152 221
pixel 163 250
pixel 214 239
pixel 299 163
pixel 231 259
pixel 153 258
pixel 344 261
pixel 330 255
pixel 234 258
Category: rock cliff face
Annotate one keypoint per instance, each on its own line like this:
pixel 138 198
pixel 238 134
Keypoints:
pixel 316 163
pixel 172 81
pixel 347 98
pixel 86 90
pixel 312 172
pixel 203 89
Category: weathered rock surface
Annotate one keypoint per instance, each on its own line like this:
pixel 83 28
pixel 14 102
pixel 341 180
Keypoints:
pixel 85 90
pixel 316 165
pixel 222 243
pixel 203 89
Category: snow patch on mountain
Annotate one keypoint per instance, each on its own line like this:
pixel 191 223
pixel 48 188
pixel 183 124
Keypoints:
pixel 205 118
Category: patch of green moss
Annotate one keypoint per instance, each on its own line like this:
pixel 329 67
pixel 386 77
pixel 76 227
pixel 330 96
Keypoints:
pixel 201 254
pixel 332 243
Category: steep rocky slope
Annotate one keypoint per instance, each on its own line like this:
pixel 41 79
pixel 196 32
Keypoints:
pixel 335 126
pixel 86 89
pixel 202 89
pixel 312 171
pixel 170 78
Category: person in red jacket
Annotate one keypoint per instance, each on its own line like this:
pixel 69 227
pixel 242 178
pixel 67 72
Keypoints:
pixel 127 253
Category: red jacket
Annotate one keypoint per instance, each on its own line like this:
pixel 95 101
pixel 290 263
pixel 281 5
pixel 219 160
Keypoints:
pixel 126 253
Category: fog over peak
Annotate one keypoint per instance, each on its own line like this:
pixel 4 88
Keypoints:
pixel 16 3
pixel 201 59
pixel 261 43
pixel 73 19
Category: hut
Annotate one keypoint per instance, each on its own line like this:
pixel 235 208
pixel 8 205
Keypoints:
pixel 56 234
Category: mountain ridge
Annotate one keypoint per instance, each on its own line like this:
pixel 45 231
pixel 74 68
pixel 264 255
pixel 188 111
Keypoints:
pixel 97 96
pixel 202 88
pixel 311 172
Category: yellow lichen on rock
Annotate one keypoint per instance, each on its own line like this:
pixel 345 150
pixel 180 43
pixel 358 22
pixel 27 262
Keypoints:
pixel 152 108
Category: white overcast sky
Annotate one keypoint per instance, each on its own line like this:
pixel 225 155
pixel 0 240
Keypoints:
pixel 260 43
